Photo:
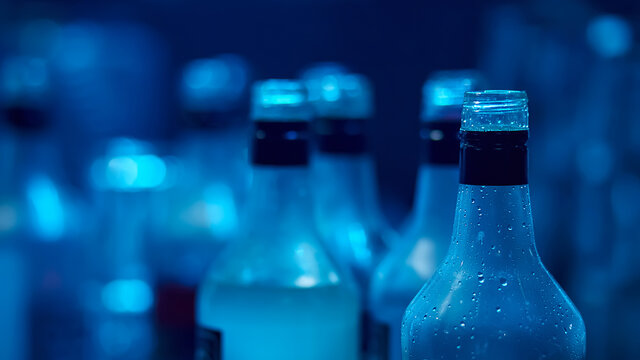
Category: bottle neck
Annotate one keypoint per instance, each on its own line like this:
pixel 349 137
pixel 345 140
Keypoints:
pixel 351 177
pixel 493 225
pixel 279 201
pixel 210 150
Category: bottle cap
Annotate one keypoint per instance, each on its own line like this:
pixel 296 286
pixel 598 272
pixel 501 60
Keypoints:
pixel 341 96
pixel 213 84
pixel 443 93
pixel 280 100
pixel 495 110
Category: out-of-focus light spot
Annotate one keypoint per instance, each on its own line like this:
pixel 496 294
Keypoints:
pixel 436 135
pixel 127 296
pixel 610 35
pixel 333 278
pixel 323 69
pixel 129 173
pixel 122 172
pixel 357 238
pixel 221 209
pixel 214 84
pixel 280 99
pixel 48 210
pixel 341 95
pixel 443 92
pixel 330 90
pixel 423 258
pixel 306 281
pixel 305 254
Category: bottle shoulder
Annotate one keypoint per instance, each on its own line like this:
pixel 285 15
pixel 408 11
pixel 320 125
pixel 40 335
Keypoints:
pixel 411 262
pixel 259 260
pixel 526 299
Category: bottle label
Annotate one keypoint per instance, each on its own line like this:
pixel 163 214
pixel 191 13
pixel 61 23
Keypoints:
pixel 341 136
pixel 494 157
pixel 280 143
pixel 440 143
pixel 208 344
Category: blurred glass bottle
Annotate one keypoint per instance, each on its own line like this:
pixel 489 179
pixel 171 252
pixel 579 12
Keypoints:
pixel 492 298
pixel 39 212
pixel 200 214
pixel 276 293
pixel 427 236
pixel 345 192
pixel 120 297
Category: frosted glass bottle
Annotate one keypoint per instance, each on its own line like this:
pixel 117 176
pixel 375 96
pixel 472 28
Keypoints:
pixel 276 293
pixel 492 298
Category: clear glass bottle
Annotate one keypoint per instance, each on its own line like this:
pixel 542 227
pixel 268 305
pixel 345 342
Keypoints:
pixel 276 293
pixel 120 300
pixel 199 215
pixel 345 191
pixel 425 241
pixel 492 298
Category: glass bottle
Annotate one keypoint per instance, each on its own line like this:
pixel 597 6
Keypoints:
pixel 345 191
pixel 275 293
pixel 120 300
pixel 424 242
pixel 199 214
pixel 492 298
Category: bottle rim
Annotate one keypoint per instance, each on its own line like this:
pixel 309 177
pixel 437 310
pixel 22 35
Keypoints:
pixel 495 101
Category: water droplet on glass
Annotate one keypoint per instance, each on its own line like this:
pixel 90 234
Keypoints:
pixel 462 324
pixel 509 227
pixel 498 309
pixel 480 277
pixel 503 281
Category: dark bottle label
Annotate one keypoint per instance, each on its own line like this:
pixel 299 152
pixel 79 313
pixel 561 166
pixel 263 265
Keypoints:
pixel 494 157
pixel 208 344
pixel 280 143
pixel 341 136
pixel 440 144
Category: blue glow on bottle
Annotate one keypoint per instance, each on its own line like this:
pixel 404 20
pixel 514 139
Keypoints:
pixel 200 213
pixel 492 298
pixel 120 296
pixel 275 293
pixel 425 240
pixel 345 191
